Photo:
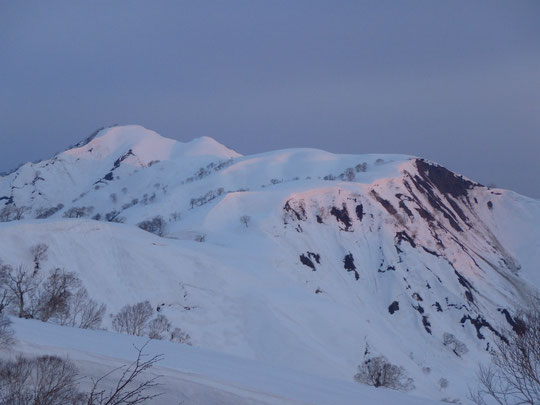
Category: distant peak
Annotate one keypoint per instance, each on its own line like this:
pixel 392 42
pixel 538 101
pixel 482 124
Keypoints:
pixel 146 144
pixel 111 131
pixel 120 138
pixel 136 132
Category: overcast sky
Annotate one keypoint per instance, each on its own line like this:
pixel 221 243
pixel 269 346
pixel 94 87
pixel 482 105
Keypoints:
pixel 457 82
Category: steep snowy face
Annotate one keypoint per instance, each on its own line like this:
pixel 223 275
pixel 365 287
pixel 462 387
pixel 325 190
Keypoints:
pixel 426 240
pixel 298 257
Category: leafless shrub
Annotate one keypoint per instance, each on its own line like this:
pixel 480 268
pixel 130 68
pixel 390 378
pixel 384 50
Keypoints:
pixel 379 162
pixel 158 327
pixel 513 377
pixel 179 336
pixel 133 319
pixel 59 298
pixel 118 220
pixel 114 216
pixel 443 383
pixel 200 237
pixel 207 197
pixel 129 390
pixel 348 174
pixel 39 254
pixel 43 380
pixel 175 216
pixel 50 380
pixel 378 372
pixel 147 199
pixel 245 219
pixel 63 300
pixel 130 204
pixel 55 294
pixel 22 285
pixel 42 213
pixel 361 167
pixel 78 212
pixel 84 312
pixel 155 225
pixel 457 346
pixel 451 400
pixel 12 213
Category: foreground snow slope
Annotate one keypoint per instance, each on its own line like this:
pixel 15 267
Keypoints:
pixel 338 258
pixel 195 375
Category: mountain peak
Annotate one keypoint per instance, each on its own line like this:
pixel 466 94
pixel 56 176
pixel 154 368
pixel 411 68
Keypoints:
pixel 146 144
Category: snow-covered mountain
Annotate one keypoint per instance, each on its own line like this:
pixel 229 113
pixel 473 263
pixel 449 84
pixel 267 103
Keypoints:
pixel 298 258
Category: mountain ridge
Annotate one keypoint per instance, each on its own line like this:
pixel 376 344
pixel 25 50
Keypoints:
pixel 299 257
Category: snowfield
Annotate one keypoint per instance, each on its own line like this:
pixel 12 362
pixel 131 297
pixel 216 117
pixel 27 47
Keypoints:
pixel 287 268
pixel 195 375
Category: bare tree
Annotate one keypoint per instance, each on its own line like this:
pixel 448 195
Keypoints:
pixel 6 213
pixel 84 312
pixel 245 219
pixel 443 383
pixel 378 372
pixel 43 380
pixel 39 254
pixel 513 377
pixel 12 213
pixel 458 347
pixel 42 213
pixel 50 380
pixel 60 298
pixel 55 294
pixel 177 335
pixel 129 390
pixel 78 212
pixel 155 225
pixel 349 174
pixel 158 327
pixel 133 319
pixel 23 285
pixel 361 167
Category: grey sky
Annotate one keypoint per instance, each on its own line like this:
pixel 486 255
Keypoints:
pixel 457 82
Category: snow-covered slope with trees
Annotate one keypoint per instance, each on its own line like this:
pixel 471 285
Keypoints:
pixel 298 258
pixel 192 375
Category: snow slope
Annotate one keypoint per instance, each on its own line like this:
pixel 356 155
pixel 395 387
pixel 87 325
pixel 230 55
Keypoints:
pixel 340 257
pixel 195 375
